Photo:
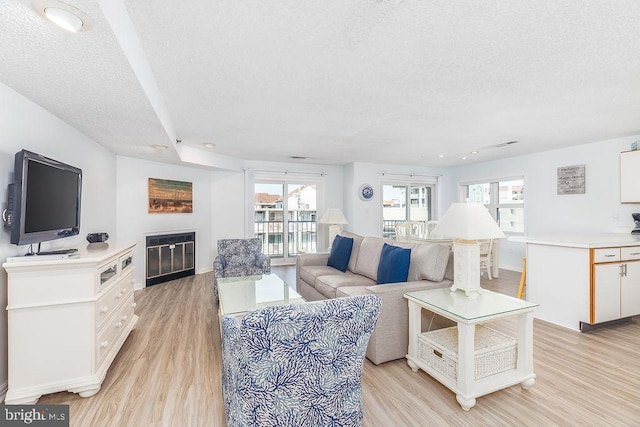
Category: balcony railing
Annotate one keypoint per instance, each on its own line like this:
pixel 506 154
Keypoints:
pixel 389 228
pixel 301 237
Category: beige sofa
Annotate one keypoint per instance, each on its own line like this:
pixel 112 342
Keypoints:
pixel 430 267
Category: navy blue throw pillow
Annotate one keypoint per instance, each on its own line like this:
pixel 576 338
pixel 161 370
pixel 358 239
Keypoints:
pixel 340 253
pixel 394 264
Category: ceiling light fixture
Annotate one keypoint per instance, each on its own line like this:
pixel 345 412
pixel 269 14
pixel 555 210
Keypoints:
pixel 64 19
pixel 208 145
pixel 474 152
pixel 441 156
pixel 463 158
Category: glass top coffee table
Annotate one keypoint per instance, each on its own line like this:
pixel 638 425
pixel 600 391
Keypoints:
pixel 237 295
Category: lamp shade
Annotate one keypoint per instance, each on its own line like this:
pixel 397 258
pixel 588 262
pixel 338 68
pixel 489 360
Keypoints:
pixel 333 216
pixel 468 221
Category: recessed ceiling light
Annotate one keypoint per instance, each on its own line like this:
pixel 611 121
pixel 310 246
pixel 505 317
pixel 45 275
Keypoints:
pixel 159 147
pixel 208 145
pixel 64 19
pixel 474 152
pixel 463 158
pixel 440 156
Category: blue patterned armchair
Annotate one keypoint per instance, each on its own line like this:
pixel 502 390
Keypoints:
pixel 239 257
pixel 297 365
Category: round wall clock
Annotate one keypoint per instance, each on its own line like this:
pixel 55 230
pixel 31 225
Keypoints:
pixel 366 192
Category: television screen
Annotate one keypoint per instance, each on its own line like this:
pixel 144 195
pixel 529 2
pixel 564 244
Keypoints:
pixel 45 199
pixel 51 198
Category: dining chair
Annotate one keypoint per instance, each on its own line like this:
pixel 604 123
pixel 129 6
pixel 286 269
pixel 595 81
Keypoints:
pixel 486 249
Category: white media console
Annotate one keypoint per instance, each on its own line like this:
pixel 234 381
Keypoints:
pixel 67 319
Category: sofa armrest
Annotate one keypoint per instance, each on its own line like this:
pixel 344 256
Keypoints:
pixel 312 259
pixel 219 264
pixel 232 359
pixel 390 338
pixel 264 262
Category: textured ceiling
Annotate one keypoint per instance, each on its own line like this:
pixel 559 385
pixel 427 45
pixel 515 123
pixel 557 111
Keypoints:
pixel 334 81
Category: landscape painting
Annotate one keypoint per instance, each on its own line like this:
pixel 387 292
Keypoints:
pixel 167 196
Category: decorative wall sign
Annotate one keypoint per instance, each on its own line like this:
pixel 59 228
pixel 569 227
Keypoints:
pixel 571 180
pixel 365 192
pixel 167 196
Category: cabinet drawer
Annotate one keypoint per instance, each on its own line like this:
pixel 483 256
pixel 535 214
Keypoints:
pixel 127 311
pixel 606 255
pixel 106 305
pixel 630 252
pixel 107 273
pixel 107 337
pixel 113 298
pixel 126 261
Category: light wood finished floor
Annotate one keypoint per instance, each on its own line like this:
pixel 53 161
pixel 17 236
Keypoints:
pixel 168 373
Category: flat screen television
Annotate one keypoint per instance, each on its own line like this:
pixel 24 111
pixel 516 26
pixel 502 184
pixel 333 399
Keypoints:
pixel 44 199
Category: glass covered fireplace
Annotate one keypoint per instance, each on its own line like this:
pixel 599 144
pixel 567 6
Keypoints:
pixel 170 257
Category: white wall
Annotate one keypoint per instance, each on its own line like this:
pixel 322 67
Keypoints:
pixel 134 222
pixel 365 217
pixel 26 125
pixel 546 213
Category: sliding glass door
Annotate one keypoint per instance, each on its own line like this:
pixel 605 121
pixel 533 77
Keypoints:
pixel 285 218
pixel 406 202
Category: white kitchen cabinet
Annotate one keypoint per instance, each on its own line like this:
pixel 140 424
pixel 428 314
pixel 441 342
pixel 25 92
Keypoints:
pixel 616 283
pixel 577 281
pixel 630 290
pixel 67 320
pixel 606 305
pixel 630 177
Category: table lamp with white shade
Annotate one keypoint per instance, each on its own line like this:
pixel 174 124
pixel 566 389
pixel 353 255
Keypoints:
pixel 335 218
pixel 466 223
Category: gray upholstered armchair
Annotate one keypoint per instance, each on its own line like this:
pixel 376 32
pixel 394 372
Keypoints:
pixel 239 257
pixel 299 364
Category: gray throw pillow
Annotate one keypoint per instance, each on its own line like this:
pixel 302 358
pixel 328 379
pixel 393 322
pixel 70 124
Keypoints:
pixel 429 261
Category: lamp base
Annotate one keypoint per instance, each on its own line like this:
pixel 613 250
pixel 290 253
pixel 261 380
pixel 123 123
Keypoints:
pixel 334 230
pixel 466 266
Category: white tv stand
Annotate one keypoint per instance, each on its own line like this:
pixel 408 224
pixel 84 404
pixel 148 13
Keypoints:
pixel 67 320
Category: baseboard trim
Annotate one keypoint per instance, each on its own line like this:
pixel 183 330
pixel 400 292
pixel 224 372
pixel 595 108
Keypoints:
pixel 511 268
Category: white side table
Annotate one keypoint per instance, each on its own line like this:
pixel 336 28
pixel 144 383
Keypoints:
pixel 467 312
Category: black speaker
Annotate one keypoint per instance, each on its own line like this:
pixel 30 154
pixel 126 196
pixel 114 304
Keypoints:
pixel 97 237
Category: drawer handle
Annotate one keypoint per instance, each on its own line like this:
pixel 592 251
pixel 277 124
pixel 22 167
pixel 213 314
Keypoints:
pixel 104 309
pixel 119 325
pixel 124 318
pixel 103 344
pixel 634 253
pixel 609 255
pixel 134 305
pixel 437 353
pixel 124 291
pixel 119 295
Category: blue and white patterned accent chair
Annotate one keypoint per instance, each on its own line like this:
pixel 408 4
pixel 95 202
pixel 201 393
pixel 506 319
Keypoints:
pixel 237 258
pixel 297 365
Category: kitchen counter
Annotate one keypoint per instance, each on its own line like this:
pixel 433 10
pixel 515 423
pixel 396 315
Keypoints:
pixel 587 241
pixel 583 281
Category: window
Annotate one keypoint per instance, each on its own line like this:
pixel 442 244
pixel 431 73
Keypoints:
pixel 504 199
pixel 280 206
pixel 406 202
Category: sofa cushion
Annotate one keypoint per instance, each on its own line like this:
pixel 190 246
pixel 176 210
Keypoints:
pixel 369 256
pixel 327 285
pixel 357 241
pixel 394 264
pixel 428 261
pixel 309 273
pixel 340 253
